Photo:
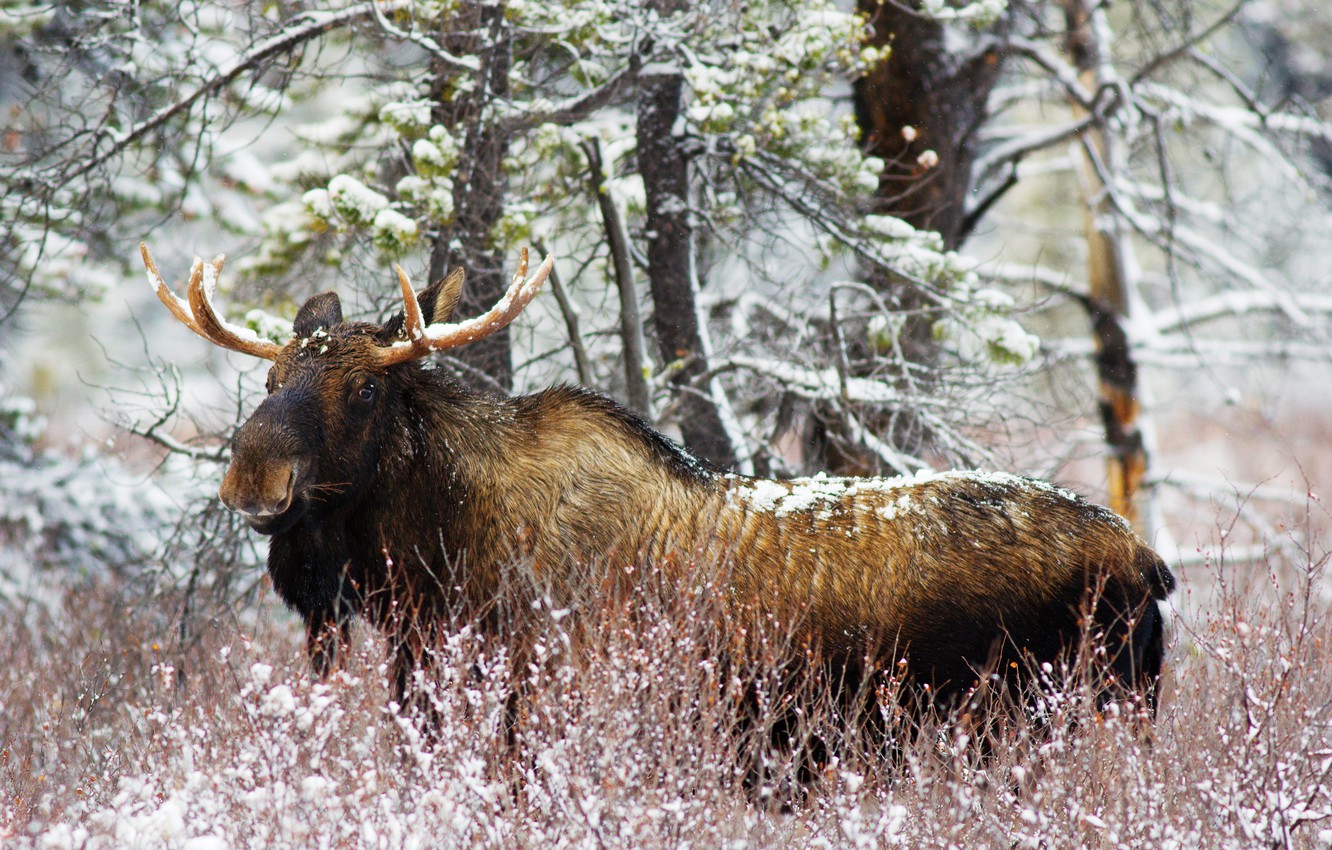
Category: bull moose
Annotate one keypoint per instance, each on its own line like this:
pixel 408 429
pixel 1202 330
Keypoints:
pixel 388 487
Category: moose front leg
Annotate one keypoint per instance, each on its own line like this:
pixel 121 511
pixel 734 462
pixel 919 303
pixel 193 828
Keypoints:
pixel 408 656
pixel 413 677
pixel 326 636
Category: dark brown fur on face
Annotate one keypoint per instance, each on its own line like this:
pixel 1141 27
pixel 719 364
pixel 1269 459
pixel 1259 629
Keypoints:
pixel 393 493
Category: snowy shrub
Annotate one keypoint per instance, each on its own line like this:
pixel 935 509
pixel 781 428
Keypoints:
pixel 624 727
pixel 63 520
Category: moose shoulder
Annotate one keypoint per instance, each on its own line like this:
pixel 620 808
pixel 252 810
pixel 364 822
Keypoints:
pixel 392 492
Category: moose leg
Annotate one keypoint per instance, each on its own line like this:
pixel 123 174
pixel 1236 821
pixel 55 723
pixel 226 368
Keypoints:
pixel 410 653
pixel 1135 642
pixel 403 665
pixel 326 634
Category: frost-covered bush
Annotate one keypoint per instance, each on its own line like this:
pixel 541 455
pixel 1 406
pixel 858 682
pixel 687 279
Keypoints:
pixel 65 519
pixel 624 733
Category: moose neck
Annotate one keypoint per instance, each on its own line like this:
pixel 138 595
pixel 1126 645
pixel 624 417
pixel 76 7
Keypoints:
pixel 442 452
pixel 466 485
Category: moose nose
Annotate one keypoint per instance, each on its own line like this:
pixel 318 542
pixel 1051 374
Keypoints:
pixel 258 490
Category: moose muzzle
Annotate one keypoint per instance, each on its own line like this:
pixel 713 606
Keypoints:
pixel 258 491
pixel 264 477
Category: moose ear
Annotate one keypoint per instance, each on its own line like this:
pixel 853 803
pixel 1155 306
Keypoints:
pixel 321 312
pixel 439 299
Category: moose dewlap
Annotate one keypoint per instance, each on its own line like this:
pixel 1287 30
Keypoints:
pixel 392 492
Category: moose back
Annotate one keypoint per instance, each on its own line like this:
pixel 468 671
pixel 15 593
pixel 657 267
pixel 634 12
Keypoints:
pixel 391 492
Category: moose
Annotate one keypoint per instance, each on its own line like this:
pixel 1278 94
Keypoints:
pixel 392 492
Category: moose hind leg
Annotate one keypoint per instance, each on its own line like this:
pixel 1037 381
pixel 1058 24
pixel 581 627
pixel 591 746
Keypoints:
pixel 411 683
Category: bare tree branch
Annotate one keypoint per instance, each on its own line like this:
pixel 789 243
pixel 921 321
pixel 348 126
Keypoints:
pixel 1188 44
pixel 634 350
pixel 1017 148
pixel 571 323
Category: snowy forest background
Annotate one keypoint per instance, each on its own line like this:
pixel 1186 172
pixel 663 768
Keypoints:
pixel 1084 241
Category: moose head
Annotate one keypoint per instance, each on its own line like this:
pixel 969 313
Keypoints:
pixel 332 389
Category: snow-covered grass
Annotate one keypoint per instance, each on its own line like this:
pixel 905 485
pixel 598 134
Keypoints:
pixel 627 731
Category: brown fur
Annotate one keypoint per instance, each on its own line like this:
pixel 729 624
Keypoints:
pixel 409 507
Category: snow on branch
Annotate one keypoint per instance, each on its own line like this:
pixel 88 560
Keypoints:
pixel 744 308
pixel 1238 303
pixel 425 42
pixel 576 108
pixel 980 13
pixel 1025 273
pixel 896 460
pixel 829 385
pixel 1236 118
pixel 1210 251
pixel 1055 66
pixel 1215 488
pixel 1016 148
pixel 303 28
pixel 1184 352
pixel 815 384
pixel 1155 193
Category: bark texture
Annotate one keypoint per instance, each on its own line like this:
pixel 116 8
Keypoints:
pixel 479 183
pixel 939 92
pixel 671 274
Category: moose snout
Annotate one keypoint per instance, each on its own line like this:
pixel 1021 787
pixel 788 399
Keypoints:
pixel 266 463
pixel 258 491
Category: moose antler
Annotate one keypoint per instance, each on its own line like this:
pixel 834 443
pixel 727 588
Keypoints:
pixel 421 339
pixel 197 313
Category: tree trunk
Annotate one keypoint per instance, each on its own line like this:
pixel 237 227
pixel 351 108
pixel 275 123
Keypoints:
pixel 479 185
pixel 636 390
pixel 671 272
pixel 938 91
pixel 918 111
pixel 1108 265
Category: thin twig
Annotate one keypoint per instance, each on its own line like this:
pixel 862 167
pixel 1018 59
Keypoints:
pixel 631 322
pixel 570 312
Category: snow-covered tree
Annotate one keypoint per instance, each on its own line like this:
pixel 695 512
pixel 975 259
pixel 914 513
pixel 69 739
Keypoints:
pixel 349 138
pixel 741 197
